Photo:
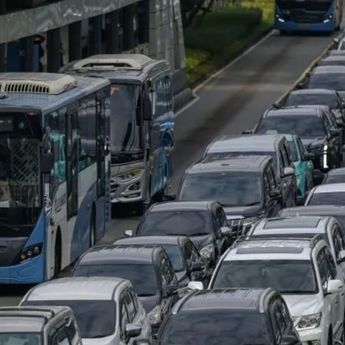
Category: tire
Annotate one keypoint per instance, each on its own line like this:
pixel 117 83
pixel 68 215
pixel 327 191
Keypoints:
pixel 92 241
pixel 58 254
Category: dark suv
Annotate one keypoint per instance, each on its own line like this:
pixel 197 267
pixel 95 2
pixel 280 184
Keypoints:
pixel 245 186
pixel 229 317
pixel 147 267
pixel 274 145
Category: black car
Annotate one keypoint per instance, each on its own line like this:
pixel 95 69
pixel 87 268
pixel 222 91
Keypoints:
pixel 313 125
pixel 325 97
pixel 338 212
pixel 185 258
pixel 335 176
pixel 274 145
pixel 204 222
pixel 147 267
pixel 230 317
pixel 245 186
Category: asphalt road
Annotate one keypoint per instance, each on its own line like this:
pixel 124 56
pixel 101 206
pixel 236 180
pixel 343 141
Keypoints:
pixel 230 102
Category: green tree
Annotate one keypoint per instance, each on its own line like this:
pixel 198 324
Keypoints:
pixel 191 8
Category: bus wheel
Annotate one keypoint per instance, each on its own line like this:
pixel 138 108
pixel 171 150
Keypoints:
pixel 58 254
pixel 92 228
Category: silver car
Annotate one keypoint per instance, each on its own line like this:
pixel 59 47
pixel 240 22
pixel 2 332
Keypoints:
pixel 107 310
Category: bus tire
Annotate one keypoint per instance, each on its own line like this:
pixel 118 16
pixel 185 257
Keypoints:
pixel 92 228
pixel 58 254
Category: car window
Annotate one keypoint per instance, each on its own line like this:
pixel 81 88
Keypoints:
pixel 135 299
pixel 124 317
pixel 130 306
pixel 275 323
pixel 267 187
pixel 286 315
pixel 300 148
pixel 60 337
pixel 322 267
pixel 272 177
pixel 281 158
pixel 221 217
pixel 286 160
pixel 331 268
pixel 337 240
pixel 167 272
pixel 71 329
pixel 288 154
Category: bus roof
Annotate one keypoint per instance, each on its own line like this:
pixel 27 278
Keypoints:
pixel 44 100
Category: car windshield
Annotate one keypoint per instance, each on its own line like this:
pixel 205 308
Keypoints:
pixel 175 256
pixel 229 188
pixel 285 276
pixel 293 150
pixel 301 125
pixel 336 198
pixel 216 327
pixel 95 318
pixel 312 99
pixel 142 276
pixel 332 81
pixel 188 223
pixel 334 179
pixel 20 338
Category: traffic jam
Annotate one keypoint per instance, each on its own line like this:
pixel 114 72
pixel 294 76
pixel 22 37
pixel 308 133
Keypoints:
pixel 250 250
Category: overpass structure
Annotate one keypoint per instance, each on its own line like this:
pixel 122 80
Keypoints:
pixel 43 35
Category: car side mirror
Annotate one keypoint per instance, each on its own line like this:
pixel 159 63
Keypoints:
pixel 341 256
pixel 290 339
pixel 171 290
pixel 195 285
pixel 289 171
pixel 128 233
pixel 133 330
pixel 334 285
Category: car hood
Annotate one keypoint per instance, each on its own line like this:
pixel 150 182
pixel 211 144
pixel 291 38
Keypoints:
pixel 148 302
pixel 98 341
pixel 303 304
pixel 242 211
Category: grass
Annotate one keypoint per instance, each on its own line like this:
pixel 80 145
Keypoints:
pixel 218 37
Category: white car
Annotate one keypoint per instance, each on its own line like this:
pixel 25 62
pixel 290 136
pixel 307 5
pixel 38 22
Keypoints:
pixel 302 270
pixel 327 194
pixel 106 309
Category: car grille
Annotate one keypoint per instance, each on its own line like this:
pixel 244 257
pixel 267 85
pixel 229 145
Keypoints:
pixel 300 16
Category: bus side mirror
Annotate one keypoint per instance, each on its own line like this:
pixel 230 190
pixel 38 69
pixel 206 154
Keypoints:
pixel 147 108
pixel 47 163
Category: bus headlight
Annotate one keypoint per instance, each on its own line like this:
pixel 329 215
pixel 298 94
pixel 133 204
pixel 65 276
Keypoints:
pixel 30 252
pixel 129 175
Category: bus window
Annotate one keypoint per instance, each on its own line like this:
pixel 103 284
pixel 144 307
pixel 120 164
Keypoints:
pixel 163 99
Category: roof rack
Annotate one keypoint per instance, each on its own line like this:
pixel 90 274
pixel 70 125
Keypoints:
pixel 313 240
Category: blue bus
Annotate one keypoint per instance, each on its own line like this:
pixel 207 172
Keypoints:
pixel 308 15
pixel 142 123
pixel 54 172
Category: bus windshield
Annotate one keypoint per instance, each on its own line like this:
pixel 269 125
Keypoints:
pixel 125 132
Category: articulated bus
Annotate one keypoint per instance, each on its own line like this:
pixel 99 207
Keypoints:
pixel 54 172
pixel 142 123
pixel 308 15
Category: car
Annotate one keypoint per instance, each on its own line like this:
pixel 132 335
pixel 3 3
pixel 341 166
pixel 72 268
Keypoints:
pixel 276 146
pixel 335 52
pixel 204 222
pixel 184 256
pixel 313 125
pixel 334 176
pixel 38 326
pixel 107 310
pixel 325 97
pixel 304 166
pixel 327 194
pixel 229 317
pixel 332 60
pixel 245 186
pixel 304 227
pixel 327 77
pixel 302 270
pixel 338 212
pixel 147 267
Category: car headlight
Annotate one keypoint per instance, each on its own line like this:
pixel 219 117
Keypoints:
pixel 207 251
pixel 155 315
pixel 31 252
pixel 130 174
pixel 308 321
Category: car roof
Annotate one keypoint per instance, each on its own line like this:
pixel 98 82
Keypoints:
pixel 286 226
pixel 329 188
pixel 151 240
pixel 338 171
pixel 27 319
pixel 223 299
pixel 124 254
pixel 270 249
pixel 308 110
pixel 321 210
pixel 76 288
pixel 313 91
pixel 329 70
pixel 236 164
pixel 182 206
pixel 245 143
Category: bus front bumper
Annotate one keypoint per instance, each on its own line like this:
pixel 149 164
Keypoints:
pixel 27 272
pixel 290 26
